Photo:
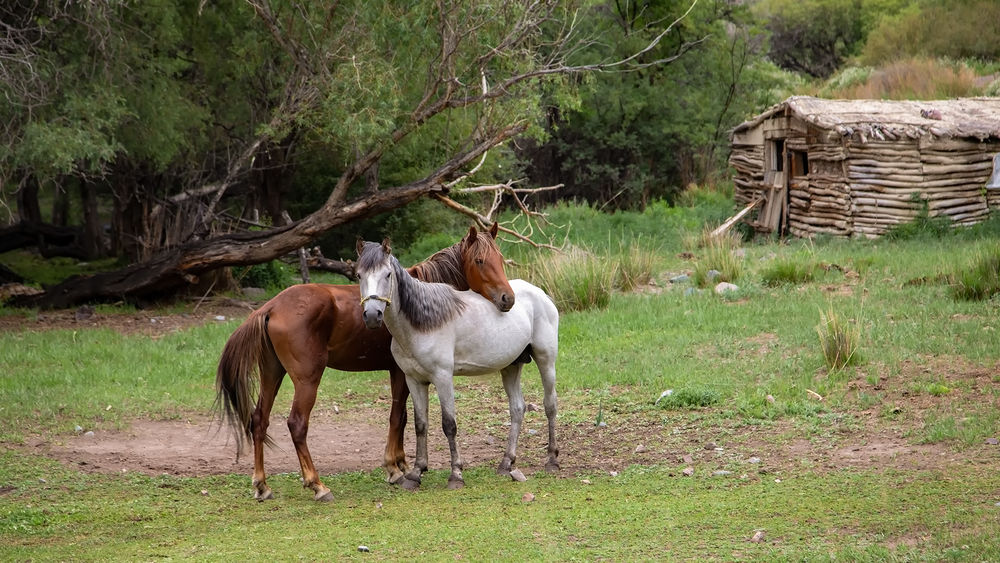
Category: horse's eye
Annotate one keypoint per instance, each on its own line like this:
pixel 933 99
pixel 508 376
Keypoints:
pixel 479 261
pixel 387 274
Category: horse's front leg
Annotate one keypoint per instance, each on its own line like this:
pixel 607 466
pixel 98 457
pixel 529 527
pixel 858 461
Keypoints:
pixel 512 385
pixel 446 395
pixel 394 461
pixel 418 390
pixel 298 425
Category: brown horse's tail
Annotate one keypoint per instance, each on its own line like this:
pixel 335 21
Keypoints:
pixel 238 374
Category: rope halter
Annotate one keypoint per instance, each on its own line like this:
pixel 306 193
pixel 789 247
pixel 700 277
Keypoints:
pixel 386 300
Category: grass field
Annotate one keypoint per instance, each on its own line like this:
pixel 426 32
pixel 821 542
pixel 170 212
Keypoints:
pixel 892 457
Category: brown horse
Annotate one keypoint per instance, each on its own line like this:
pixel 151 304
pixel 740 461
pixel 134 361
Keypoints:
pixel 309 327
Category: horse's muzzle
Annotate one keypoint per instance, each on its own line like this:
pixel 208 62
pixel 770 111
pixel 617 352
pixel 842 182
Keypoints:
pixel 373 313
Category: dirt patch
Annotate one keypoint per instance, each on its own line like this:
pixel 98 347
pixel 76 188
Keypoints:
pixel 355 440
pixel 153 323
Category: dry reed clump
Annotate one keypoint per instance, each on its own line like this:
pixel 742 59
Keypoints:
pixel 719 253
pixel 576 279
pixel 982 280
pixel 839 338
pixel 919 79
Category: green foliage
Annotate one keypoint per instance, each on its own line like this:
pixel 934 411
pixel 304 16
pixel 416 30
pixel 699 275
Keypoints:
pixel 690 397
pixel 982 280
pixel 936 28
pixel 273 276
pixel 922 226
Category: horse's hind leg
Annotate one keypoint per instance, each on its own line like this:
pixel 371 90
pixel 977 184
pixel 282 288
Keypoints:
pixel 512 385
pixel 271 375
pixel 394 461
pixel 547 368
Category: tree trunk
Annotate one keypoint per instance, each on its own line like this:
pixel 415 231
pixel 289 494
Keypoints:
pixel 92 241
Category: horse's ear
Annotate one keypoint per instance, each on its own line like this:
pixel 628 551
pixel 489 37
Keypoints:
pixel 471 237
pixel 386 245
pixel 360 245
pixel 494 230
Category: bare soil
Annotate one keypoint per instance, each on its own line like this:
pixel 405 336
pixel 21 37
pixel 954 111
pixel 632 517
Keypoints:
pixel 354 439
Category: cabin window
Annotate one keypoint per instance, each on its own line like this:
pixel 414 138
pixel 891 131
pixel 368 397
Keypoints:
pixel 994 181
pixel 798 161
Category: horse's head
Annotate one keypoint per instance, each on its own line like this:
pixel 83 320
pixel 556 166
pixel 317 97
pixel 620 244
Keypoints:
pixel 483 264
pixel 375 275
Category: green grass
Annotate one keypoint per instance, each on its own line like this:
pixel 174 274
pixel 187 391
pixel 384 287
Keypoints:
pixel 643 513
pixel 739 368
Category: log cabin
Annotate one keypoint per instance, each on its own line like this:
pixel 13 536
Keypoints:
pixel 809 166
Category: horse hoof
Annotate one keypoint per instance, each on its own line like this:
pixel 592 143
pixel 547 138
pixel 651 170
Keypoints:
pixel 396 479
pixel 410 484
pixel 266 494
pixel 552 466
pixel 322 496
pixel 516 475
pixel 455 484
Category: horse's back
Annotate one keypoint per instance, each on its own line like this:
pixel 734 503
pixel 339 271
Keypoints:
pixel 324 319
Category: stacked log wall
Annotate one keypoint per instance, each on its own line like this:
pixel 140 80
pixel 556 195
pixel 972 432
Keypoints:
pixel 891 181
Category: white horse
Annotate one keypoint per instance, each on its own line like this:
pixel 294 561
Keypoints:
pixel 439 332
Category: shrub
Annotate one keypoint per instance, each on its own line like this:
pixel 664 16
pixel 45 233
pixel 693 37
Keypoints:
pixel 839 339
pixel 982 281
pixel 922 226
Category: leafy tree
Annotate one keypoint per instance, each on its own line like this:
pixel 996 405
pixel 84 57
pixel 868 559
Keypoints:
pixel 396 101
pixel 813 37
pixel 634 137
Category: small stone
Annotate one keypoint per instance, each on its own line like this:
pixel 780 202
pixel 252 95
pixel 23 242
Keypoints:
pixel 532 431
pixel 602 424
pixel 725 287
pixel 710 446
pixel 527 497
pixel 680 278
pixel 688 471
pixel 640 449
pixel 204 493
pixel 770 399
pixel 712 274
pixel 220 317
pixel 686 458
pixel 585 481
pixel 992 441
pixel 758 536
pixel 516 475
pixel 336 409
pixel 531 407
pixel 78 428
pixel 754 460
pixel 691 291
pixel 42 480
pixel 721 473
pixel 613 473
pixel 89 434
pixel 363 548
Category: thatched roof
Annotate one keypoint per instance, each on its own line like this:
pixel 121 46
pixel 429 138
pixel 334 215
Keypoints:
pixel 977 118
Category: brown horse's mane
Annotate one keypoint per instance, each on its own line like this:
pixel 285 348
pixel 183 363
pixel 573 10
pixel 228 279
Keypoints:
pixel 445 266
